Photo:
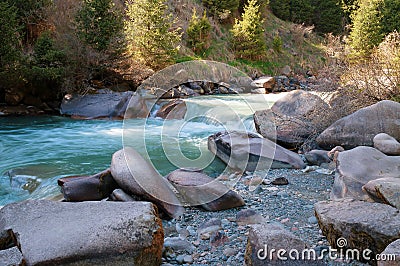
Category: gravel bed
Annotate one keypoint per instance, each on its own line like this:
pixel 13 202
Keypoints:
pixel 291 205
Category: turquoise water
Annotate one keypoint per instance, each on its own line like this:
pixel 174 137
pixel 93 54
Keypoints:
pixel 36 151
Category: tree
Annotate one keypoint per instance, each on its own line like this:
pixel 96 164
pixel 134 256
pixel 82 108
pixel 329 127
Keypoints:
pixel 329 17
pixel 248 33
pixel 98 23
pixel 221 8
pixel 199 33
pixel 150 30
pixel 9 36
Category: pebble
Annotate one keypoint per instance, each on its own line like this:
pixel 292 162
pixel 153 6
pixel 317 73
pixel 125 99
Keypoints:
pixel 280 181
pixel 313 220
pixel 228 251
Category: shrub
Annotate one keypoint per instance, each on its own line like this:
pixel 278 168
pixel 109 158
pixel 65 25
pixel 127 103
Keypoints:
pixel 150 31
pixel 277 44
pixel 98 23
pixel 199 33
pixel 248 33
pixel 221 8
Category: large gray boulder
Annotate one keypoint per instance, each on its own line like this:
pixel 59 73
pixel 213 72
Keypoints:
pixel 85 233
pixel 250 152
pixel 102 105
pixel 11 256
pixel 386 190
pixel 391 255
pixel 198 189
pixel 264 238
pixel 386 144
pixel 292 119
pixel 363 225
pixel 356 167
pixel 137 176
pixel 360 128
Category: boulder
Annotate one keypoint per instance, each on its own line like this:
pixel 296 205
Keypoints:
pixel 85 233
pixel 264 242
pixel 103 105
pixel 11 256
pixel 292 119
pixel 317 157
pixel 386 144
pixel 264 82
pixel 175 109
pixel 84 188
pixel 249 152
pixel 363 225
pixel 120 195
pixel 356 167
pixel 137 107
pixel 391 255
pixel 386 190
pixel 198 189
pixel 359 128
pixel 137 176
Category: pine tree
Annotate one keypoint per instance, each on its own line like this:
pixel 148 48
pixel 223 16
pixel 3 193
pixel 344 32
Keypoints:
pixel 9 36
pixel 199 33
pixel 221 8
pixel 98 23
pixel 149 28
pixel 248 33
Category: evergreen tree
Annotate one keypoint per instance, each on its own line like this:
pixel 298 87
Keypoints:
pixel 9 36
pixel 199 33
pixel 329 17
pixel 149 29
pixel 98 23
pixel 248 33
pixel 221 8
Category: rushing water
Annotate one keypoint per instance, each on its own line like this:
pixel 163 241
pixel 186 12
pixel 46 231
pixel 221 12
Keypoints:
pixel 36 151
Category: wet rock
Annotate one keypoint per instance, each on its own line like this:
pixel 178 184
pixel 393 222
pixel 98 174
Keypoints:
pixel 391 251
pixel 359 128
pixel 137 176
pixel 85 233
pixel 386 190
pixel 249 152
pixel 280 181
pixel 11 256
pixel 317 157
pixel 178 244
pixel 358 166
pixel 266 237
pixel 107 105
pixel 120 195
pixel 264 82
pixel 292 118
pixel 137 107
pixel 175 109
pixel 364 225
pixel 386 144
pixel 85 188
pixel 198 189
pixel 249 216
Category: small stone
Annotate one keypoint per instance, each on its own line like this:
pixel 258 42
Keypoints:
pixel 312 220
pixel 248 216
pixel 280 181
pixel 283 194
pixel 228 251
pixel 187 259
pixel 205 236
pixel 218 238
pixel 208 227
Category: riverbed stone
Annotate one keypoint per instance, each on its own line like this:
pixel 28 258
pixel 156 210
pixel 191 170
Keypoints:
pixel 386 190
pixel 175 109
pixel 291 119
pixel 137 176
pixel 198 189
pixel 359 128
pixel 178 244
pixel 364 225
pixel 386 144
pixel 249 152
pixel 85 233
pixel 358 166
pixel 317 157
pixel 120 195
pixel 392 251
pixel 266 237
pixel 11 256
pixel 249 216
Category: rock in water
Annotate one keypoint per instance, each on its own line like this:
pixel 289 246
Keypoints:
pixel 363 225
pixel 291 120
pixel 198 189
pixel 175 109
pixel 85 233
pixel 249 152
pixel 84 188
pixel 359 128
pixel 266 239
pixel 356 167
pixel 137 176
pixel 386 144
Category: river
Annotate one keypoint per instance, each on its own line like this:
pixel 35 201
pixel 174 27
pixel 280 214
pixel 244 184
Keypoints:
pixel 36 151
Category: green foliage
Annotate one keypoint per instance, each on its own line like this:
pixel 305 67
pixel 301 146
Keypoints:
pixel 199 33
pixel 248 33
pixel 9 36
pixel 98 23
pixel 298 11
pixel 372 22
pixel 150 30
pixel 277 44
pixel 221 8
pixel 328 16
